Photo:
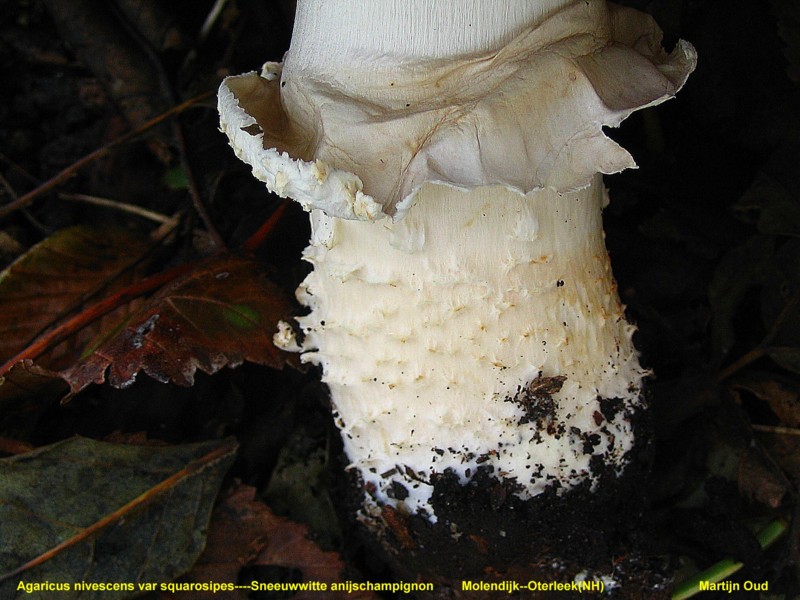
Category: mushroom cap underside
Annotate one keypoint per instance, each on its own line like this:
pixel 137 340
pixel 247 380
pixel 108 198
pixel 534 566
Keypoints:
pixel 359 143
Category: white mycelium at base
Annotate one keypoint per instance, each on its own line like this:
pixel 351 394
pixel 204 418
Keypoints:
pixel 426 327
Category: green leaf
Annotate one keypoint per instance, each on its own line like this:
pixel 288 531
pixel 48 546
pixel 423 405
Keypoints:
pixel 105 513
pixel 727 567
pixel 297 489
pixel 176 179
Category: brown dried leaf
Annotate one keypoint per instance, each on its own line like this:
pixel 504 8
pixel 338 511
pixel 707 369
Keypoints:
pixel 222 313
pixel 782 397
pixel 785 449
pixel 244 531
pixel 55 277
pixel 760 479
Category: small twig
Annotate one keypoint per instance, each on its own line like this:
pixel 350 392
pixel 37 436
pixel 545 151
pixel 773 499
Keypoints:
pixel 776 429
pixel 254 241
pixel 194 190
pixel 121 206
pixel 752 356
pixel 168 92
pixel 71 170
pixel 212 17
pixel 148 496
pixel 7 186
pixel 33 221
pixel 202 35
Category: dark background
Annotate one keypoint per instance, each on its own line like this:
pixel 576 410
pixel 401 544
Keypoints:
pixel 703 239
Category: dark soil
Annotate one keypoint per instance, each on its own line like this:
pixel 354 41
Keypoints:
pixel 551 537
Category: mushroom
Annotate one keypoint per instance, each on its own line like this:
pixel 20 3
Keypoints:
pixel 461 306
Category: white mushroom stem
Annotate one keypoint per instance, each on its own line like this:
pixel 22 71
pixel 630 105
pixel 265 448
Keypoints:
pixel 478 326
pixel 428 328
